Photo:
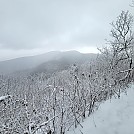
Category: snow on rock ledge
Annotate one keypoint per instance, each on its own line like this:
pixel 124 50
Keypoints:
pixel 2 98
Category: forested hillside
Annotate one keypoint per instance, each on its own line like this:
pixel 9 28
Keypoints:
pixel 37 104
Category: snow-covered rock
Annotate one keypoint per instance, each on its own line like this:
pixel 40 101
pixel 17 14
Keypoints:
pixel 2 98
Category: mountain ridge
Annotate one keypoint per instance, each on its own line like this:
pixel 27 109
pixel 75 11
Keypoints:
pixel 33 62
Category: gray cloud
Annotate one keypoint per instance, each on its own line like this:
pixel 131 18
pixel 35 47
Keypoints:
pixel 56 24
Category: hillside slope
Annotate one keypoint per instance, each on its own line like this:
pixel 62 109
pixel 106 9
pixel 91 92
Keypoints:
pixel 39 63
pixel 115 116
pixel 64 61
pixel 24 63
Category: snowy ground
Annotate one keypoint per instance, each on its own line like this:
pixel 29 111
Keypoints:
pixel 112 117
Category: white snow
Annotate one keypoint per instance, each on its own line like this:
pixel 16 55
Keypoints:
pixel 112 117
pixel 2 98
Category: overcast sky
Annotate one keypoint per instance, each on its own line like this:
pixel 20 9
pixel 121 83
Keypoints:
pixel 29 27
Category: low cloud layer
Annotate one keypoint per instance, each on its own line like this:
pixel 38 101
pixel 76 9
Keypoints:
pixel 56 24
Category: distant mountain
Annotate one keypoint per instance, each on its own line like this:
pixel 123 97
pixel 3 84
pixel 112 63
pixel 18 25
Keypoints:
pixel 63 61
pixel 48 62
pixel 25 63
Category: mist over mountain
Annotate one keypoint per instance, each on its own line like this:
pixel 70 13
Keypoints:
pixel 24 63
pixel 48 62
